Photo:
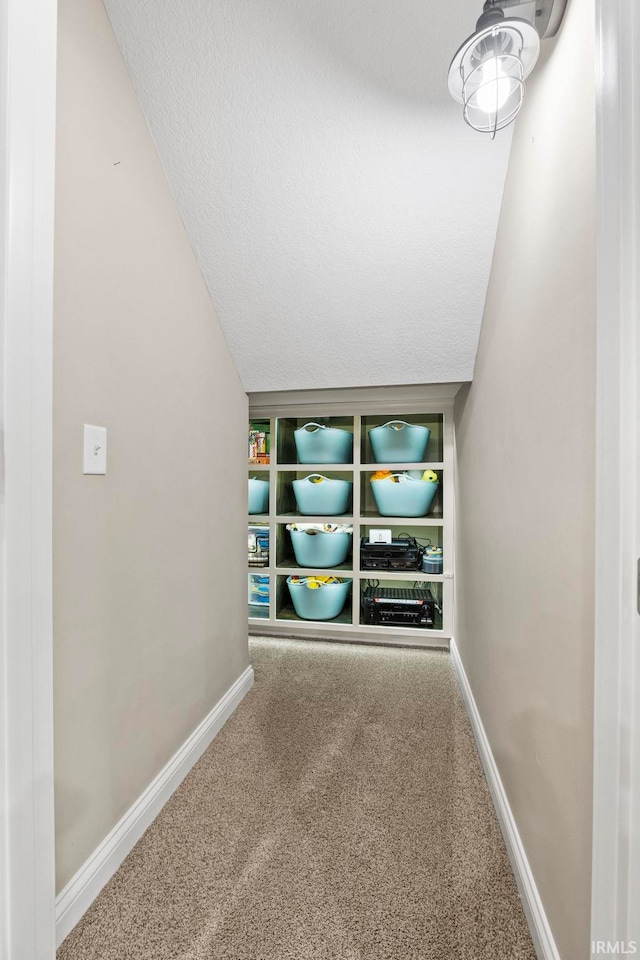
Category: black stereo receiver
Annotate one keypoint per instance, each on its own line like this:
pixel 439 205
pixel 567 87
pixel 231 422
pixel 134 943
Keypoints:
pixel 403 554
pixel 399 606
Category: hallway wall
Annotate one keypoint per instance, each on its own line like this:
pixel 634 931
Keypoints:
pixel 149 564
pixel 526 457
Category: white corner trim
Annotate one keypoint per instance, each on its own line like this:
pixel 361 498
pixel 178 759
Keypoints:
pixel 28 37
pixel 541 934
pixel 84 887
pixel 616 775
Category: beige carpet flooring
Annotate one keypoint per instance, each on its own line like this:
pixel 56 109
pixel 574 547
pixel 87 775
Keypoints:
pixel 340 813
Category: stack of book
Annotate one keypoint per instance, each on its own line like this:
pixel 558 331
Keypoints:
pixel 258 446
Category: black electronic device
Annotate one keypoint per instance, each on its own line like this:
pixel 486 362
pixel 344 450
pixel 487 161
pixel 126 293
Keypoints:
pixel 399 606
pixel 401 554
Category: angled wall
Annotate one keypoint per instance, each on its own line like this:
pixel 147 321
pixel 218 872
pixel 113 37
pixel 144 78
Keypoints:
pixel 526 460
pixel 150 563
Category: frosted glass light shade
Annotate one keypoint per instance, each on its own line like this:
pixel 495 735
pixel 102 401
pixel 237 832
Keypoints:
pixel 495 85
pixel 487 73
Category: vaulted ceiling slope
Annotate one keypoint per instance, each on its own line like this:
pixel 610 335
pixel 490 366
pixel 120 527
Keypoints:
pixel 342 213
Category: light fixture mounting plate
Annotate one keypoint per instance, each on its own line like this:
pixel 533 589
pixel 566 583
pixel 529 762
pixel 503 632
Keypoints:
pixel 549 14
pixel 545 15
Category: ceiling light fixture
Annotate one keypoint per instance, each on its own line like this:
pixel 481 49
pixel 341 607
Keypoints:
pixel 487 73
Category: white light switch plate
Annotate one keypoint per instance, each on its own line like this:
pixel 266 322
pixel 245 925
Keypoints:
pixel 379 536
pixel 95 450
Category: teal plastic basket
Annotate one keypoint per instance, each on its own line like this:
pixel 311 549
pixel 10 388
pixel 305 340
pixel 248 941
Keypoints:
pixel 258 495
pixel 326 499
pixel 317 443
pixel 320 549
pixel 409 498
pixel 324 602
pixel 399 442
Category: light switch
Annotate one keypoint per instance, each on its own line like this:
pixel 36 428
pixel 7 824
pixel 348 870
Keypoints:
pixel 95 449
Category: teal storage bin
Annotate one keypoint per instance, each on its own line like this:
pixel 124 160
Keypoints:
pixel 408 498
pixel 399 442
pixel 258 495
pixel 326 499
pixel 323 602
pixel 319 548
pixel 317 443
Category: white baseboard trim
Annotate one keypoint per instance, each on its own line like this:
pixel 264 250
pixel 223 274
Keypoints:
pixel 84 887
pixel 541 934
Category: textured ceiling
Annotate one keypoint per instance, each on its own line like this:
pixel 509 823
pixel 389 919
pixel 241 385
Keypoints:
pixel 342 213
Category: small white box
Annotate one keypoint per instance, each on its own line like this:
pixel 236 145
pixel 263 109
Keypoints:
pixel 380 536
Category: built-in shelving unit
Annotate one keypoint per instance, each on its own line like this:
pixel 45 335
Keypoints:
pixel 357 411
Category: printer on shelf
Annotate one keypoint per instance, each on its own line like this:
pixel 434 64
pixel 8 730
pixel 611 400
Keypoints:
pixel 401 554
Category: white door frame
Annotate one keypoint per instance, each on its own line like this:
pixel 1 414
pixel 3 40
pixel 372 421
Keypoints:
pixel 616 810
pixel 27 153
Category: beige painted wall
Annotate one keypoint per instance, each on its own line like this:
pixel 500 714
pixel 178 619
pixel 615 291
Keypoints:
pixel 526 456
pixel 150 561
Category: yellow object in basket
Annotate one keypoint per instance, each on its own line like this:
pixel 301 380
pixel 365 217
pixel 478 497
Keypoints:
pixel 317 479
pixel 314 582
pixel 430 476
